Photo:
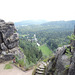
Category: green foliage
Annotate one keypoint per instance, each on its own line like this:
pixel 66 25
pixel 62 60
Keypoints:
pixel 45 50
pixel 53 68
pixel 15 32
pixel 45 34
pixel 52 58
pixel 51 36
pixel 30 50
pixel 19 61
pixel 46 59
pixel 67 66
pixel 21 49
pixel 52 45
pixel 72 37
pixel 34 71
pixel 28 65
pixel 22 35
pixel 68 53
pixel 8 66
pixel 72 41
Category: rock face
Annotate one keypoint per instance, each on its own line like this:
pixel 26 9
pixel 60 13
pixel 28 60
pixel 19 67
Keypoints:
pixel 63 63
pixel 9 41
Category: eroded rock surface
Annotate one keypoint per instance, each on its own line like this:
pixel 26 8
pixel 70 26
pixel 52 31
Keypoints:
pixel 63 63
pixel 9 41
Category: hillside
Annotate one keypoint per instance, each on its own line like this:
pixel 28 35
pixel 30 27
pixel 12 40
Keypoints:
pixel 29 22
pixel 55 31
pixel 63 24
pixel 53 25
pixel 45 50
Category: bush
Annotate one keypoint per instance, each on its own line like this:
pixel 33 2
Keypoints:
pixel 27 65
pixel 52 58
pixel 68 53
pixel 34 71
pixel 45 60
pixel 8 66
pixel 21 62
pixel 67 66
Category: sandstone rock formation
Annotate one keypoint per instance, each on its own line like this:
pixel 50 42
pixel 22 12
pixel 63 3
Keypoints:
pixel 9 41
pixel 60 63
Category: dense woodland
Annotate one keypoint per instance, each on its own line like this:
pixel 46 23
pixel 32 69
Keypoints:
pixel 31 51
pixel 51 35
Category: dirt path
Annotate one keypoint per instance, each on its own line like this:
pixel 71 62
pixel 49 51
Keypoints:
pixel 13 71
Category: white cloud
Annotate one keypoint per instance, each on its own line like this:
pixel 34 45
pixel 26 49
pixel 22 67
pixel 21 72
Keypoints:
pixel 16 10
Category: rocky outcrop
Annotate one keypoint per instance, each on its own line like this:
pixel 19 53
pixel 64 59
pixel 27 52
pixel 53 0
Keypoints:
pixel 63 63
pixel 58 64
pixel 9 41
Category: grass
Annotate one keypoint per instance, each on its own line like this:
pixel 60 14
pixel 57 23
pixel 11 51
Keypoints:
pixel 45 50
pixel 8 66
pixel 23 35
pixel 21 49
pixel 46 59
pixel 34 71
pixel 67 66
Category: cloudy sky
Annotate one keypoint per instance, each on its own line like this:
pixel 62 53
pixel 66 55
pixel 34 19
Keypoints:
pixel 51 10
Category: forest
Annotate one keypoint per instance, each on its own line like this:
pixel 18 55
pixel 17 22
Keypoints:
pixel 49 36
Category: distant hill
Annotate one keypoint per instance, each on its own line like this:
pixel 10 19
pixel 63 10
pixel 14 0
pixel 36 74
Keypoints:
pixel 60 23
pixel 30 22
pixel 46 24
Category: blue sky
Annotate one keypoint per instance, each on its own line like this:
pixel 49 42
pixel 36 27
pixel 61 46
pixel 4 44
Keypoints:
pixel 51 10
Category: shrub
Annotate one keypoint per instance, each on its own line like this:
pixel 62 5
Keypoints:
pixel 34 71
pixel 68 53
pixel 21 62
pixel 8 66
pixel 52 58
pixel 67 66
pixel 46 59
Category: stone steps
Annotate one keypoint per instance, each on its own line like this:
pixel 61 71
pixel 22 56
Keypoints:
pixel 42 66
pixel 39 72
pixel 41 69
pixel 45 64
